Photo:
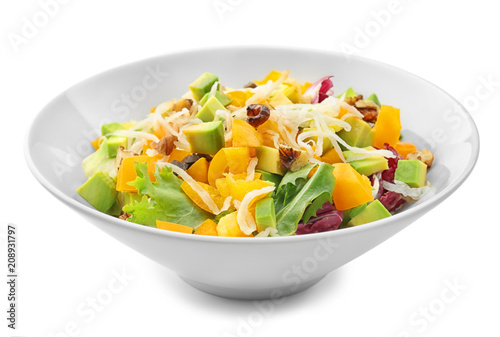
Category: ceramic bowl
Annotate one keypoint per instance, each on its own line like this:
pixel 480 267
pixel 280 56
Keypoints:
pixel 246 268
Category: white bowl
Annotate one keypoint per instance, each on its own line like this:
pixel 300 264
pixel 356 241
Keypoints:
pixel 246 268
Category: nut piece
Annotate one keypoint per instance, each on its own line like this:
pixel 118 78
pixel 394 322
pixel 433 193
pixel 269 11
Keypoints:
pixel 165 146
pixel 292 159
pixel 257 114
pixel 353 100
pixel 369 110
pixel 250 85
pixel 183 103
pixel 122 154
pixel 425 156
pixel 124 216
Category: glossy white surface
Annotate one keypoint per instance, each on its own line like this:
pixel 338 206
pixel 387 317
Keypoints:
pixel 239 267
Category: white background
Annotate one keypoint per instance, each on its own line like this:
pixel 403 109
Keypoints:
pixel 63 260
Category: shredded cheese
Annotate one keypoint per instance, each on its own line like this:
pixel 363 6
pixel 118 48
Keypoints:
pixel 407 191
pixel 269 231
pixel 227 204
pixel 251 169
pixel 244 218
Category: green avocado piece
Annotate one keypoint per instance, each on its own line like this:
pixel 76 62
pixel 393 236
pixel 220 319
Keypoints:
pixel 373 212
pixel 374 99
pixel 351 213
pixel 269 160
pixel 202 85
pixel 360 135
pixel 367 166
pixel 348 93
pixel 267 176
pixel 265 216
pixel 412 172
pixel 207 113
pixel 222 98
pixel 115 210
pixel 114 143
pixel 99 191
pixel 205 138
pixel 99 161
pixel 111 127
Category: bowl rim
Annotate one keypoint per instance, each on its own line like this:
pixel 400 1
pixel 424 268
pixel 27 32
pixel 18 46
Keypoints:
pixel 422 207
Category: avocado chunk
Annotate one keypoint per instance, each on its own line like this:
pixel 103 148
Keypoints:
pixel 412 172
pixel 265 216
pixel 99 161
pixel 111 127
pixel 348 93
pixel 114 142
pixel 115 210
pixel 202 85
pixel 128 198
pixel 207 113
pixel 374 99
pixel 205 138
pixel 373 212
pixel 222 98
pixel 360 135
pixel 369 165
pixel 99 191
pixel 351 213
pixel 269 160
pixel 271 177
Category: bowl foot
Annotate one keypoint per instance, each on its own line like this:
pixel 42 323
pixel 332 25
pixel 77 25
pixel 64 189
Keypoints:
pixel 250 294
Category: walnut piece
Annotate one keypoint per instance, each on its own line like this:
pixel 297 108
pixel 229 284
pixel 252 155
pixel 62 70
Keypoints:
pixel 292 159
pixel 369 109
pixel 250 85
pixel 183 103
pixel 124 216
pixel 257 114
pixel 165 146
pixel 425 156
pixel 353 100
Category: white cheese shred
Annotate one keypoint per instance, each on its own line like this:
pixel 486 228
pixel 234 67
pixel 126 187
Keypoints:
pixel 251 169
pixel 244 218
pixel 405 190
pixel 269 231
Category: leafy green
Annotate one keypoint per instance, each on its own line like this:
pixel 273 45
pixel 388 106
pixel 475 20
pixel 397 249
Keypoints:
pixel 166 202
pixel 314 193
pixel 290 185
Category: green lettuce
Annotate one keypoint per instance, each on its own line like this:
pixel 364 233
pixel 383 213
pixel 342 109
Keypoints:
pixel 166 202
pixel 313 192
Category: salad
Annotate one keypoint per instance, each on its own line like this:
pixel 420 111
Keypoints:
pixel 274 158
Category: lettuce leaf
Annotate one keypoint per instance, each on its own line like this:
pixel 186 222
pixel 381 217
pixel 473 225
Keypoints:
pixel 311 196
pixel 290 185
pixel 166 202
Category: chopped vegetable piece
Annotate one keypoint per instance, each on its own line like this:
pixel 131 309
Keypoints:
pixel 208 227
pixel 199 170
pixel 388 127
pixel 245 135
pixel 169 226
pixel 351 188
pixel 228 226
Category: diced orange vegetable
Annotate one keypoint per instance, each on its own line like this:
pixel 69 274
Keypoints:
pixel 195 197
pixel 387 127
pixel 218 166
pixel 305 86
pixel 237 159
pixel 199 170
pixel 351 188
pixel 228 226
pixel 240 188
pixel 244 135
pixel 342 112
pixel 178 155
pixel 331 157
pixel 239 97
pixel 127 173
pixel 266 131
pixel 272 76
pixel 170 226
pixel 152 110
pixel 224 187
pixel 405 148
pixel 207 227
pixel 280 99
pixel 96 143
